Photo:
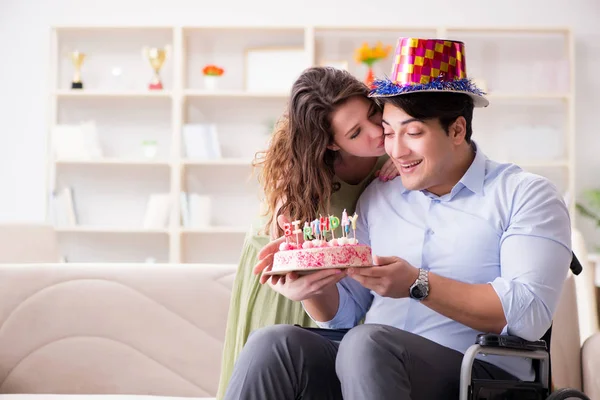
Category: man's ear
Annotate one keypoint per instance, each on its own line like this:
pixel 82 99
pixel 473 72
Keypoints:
pixel 458 130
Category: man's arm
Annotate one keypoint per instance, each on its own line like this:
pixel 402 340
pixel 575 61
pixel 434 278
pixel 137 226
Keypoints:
pixel 520 302
pixel 535 255
pixel 474 305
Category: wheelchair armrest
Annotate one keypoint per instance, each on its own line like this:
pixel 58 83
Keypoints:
pixel 495 346
pixel 509 342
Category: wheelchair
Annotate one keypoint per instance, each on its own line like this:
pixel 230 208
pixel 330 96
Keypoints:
pixel 538 351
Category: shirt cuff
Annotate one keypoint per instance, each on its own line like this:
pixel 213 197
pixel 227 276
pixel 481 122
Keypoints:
pixel 502 288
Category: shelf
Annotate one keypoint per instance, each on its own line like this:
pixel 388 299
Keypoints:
pixel 527 96
pixel 541 164
pixel 111 230
pixel 246 28
pixel 511 30
pixel 111 94
pixel 246 162
pixel 115 161
pixel 533 103
pixel 234 94
pixel 118 28
pixel 215 229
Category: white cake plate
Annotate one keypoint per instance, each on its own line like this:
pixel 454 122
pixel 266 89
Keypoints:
pixel 304 271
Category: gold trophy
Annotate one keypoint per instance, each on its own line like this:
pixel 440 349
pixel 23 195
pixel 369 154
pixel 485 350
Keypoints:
pixel 77 58
pixel 157 58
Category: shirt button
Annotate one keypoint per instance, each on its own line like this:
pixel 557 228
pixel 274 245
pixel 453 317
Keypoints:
pixel 429 232
pixel 435 201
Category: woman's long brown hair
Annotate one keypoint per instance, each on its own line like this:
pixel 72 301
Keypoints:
pixel 297 168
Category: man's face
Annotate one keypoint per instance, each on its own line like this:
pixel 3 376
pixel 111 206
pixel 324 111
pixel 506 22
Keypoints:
pixel 421 150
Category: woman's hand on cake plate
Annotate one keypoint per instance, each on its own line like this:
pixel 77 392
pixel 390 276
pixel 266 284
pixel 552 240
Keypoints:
pixel 265 258
pixel 302 287
pixel 389 277
pixel 388 171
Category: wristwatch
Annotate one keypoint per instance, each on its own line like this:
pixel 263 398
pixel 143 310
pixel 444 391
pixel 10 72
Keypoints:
pixel 420 289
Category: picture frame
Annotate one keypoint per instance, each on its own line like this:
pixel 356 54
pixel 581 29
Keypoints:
pixel 273 69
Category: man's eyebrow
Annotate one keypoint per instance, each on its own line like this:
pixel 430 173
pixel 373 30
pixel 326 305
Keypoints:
pixel 408 121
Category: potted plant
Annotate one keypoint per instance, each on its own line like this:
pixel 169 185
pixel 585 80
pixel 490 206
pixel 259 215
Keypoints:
pixel 592 208
pixel 212 74
pixel 369 55
pixel 150 148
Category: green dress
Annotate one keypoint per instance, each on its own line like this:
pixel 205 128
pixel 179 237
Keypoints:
pixel 254 305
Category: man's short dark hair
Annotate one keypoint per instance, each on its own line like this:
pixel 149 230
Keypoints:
pixel 444 106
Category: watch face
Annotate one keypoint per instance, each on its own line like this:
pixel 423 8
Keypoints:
pixel 417 292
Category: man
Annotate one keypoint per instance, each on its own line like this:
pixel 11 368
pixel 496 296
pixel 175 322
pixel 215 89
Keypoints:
pixel 471 246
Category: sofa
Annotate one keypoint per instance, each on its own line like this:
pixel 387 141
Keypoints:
pixel 145 329
pixel 139 330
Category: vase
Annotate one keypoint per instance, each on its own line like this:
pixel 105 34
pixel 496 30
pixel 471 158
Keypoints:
pixel 150 149
pixel 211 82
pixel 370 77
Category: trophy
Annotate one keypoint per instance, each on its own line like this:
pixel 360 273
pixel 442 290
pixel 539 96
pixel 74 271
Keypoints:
pixel 77 58
pixel 157 58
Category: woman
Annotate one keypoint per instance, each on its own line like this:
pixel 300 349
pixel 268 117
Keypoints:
pixel 325 151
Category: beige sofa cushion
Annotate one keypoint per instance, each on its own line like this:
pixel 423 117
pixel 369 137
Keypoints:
pixel 565 347
pixel 94 397
pixel 113 329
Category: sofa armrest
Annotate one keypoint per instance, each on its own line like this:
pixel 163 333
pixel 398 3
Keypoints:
pixel 590 360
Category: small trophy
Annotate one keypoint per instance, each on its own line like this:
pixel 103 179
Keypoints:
pixel 77 59
pixel 157 58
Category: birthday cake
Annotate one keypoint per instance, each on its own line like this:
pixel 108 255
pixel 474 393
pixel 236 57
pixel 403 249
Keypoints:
pixel 321 249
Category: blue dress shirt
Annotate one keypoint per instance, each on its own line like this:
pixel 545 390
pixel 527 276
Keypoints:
pixel 498 225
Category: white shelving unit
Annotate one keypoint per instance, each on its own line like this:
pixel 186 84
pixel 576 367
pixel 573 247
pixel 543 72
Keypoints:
pixel 529 74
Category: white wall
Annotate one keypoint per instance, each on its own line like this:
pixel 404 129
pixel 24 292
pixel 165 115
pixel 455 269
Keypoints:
pixel 24 38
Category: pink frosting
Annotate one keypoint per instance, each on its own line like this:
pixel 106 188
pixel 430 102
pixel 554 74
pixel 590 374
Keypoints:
pixel 337 256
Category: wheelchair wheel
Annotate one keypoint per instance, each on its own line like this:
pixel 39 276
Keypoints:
pixel 566 393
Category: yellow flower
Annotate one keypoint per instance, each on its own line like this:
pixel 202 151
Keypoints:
pixel 370 55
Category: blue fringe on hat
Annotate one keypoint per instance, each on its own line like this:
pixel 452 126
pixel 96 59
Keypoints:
pixel 387 88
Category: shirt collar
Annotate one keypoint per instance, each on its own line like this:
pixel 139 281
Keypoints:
pixel 473 179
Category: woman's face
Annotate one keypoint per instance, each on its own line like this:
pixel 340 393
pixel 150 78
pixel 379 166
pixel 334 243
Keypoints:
pixel 357 128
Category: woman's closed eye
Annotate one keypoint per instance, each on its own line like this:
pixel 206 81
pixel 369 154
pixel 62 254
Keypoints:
pixel 355 134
